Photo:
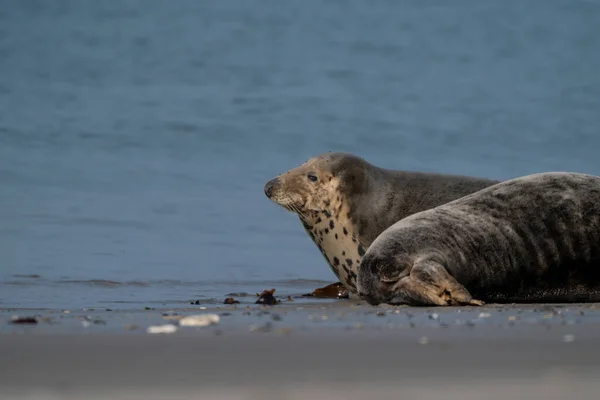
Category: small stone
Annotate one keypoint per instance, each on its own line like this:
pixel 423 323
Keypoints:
pixel 66 312
pixel 276 317
pixel 23 320
pixel 131 327
pixel 568 338
pixel 512 318
pixel 161 329
pixel 380 313
pixel 433 316
pixel 284 331
pixel 231 300
pixel 261 328
pixel 200 320
pixel 484 315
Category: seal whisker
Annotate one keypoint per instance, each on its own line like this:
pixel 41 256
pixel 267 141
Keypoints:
pixel 295 209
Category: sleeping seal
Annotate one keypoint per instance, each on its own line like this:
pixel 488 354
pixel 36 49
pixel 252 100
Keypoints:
pixel 531 239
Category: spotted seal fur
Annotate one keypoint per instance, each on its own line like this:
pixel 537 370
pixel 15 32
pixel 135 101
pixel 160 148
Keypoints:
pixel 344 203
pixel 531 239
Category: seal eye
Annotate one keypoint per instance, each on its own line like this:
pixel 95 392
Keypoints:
pixel 312 177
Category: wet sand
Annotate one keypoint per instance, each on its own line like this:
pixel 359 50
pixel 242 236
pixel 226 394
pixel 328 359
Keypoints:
pixel 305 349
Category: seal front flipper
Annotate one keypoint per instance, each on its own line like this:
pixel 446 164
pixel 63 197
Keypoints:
pixel 430 280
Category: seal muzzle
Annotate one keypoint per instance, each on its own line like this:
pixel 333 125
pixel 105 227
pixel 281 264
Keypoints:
pixel 269 187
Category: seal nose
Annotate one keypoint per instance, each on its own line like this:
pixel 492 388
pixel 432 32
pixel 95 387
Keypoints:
pixel 269 187
pixel 369 299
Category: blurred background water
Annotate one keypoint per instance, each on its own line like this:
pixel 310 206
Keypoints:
pixel 136 136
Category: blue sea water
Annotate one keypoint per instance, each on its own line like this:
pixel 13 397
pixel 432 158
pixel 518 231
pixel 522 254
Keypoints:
pixel 136 136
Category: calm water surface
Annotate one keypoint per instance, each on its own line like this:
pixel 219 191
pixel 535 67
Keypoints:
pixel 136 136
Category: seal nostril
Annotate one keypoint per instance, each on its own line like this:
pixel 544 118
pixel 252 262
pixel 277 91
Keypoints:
pixel 268 190
pixel 269 187
pixel 368 299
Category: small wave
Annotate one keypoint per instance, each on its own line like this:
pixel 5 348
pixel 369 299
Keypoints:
pixel 240 294
pixel 104 282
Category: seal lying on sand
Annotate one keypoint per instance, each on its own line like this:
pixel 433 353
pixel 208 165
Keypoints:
pixel 344 203
pixel 531 239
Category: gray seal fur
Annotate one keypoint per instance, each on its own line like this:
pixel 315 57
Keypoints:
pixel 531 239
pixel 344 203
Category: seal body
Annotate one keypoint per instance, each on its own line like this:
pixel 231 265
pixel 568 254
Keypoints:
pixel 344 203
pixel 531 239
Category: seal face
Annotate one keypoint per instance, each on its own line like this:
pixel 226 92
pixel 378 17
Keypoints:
pixel 531 239
pixel 344 203
pixel 315 192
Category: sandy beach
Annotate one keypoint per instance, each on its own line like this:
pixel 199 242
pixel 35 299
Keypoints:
pixel 136 139
pixel 309 349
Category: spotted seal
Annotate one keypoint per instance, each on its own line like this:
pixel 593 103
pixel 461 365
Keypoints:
pixel 344 203
pixel 530 239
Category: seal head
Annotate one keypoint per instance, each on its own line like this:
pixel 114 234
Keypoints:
pixel 318 191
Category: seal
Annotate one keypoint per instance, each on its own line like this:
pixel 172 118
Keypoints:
pixel 344 203
pixel 530 239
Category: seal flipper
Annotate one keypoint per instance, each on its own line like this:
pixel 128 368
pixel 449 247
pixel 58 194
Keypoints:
pixel 430 284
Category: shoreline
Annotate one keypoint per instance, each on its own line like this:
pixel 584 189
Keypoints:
pixel 340 349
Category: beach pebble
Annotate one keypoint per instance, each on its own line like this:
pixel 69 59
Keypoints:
pixel 261 328
pixel 161 329
pixel 24 320
pixel 433 316
pixel 131 327
pixel 484 315
pixel 568 338
pixel 200 320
